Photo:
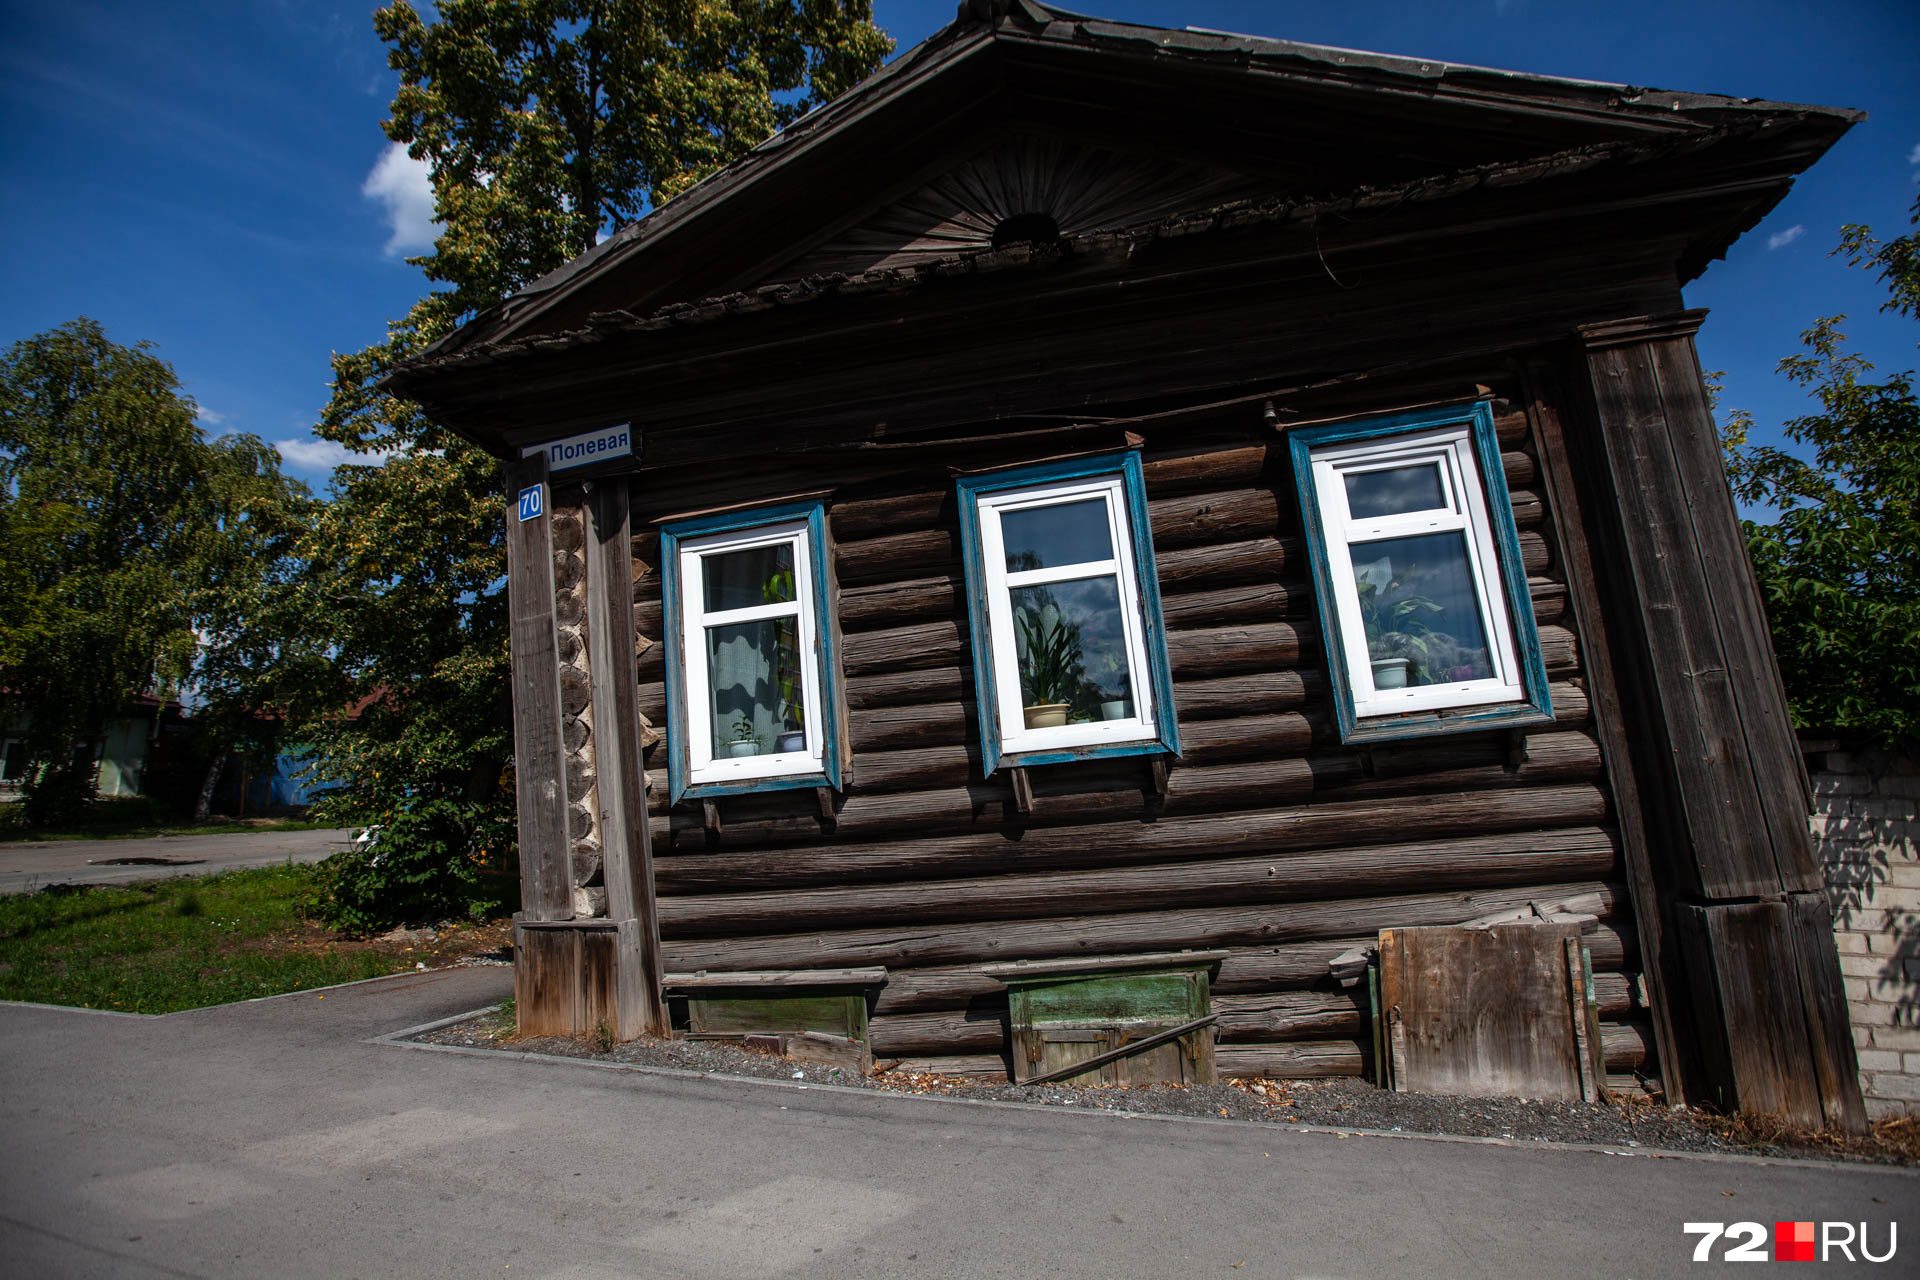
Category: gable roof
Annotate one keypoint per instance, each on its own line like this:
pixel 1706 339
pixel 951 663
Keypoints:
pixel 860 194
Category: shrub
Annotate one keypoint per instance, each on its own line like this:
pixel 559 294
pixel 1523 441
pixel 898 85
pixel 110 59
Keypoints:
pixel 436 859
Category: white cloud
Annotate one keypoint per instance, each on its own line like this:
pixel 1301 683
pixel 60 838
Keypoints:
pixel 400 182
pixel 1781 239
pixel 1913 156
pixel 204 415
pixel 324 455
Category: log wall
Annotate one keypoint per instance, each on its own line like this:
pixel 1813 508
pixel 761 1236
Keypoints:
pixel 1271 841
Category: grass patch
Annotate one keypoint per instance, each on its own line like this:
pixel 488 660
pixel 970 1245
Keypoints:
pixel 135 819
pixel 178 944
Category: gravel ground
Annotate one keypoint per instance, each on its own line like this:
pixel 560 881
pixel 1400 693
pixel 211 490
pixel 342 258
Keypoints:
pixel 1335 1104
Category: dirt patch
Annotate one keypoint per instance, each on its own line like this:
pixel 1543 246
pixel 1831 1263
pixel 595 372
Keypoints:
pixel 1623 1123
pixel 434 948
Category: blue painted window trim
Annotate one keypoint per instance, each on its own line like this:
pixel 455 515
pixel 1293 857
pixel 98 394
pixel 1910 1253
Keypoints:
pixel 826 633
pixel 1537 707
pixel 1166 739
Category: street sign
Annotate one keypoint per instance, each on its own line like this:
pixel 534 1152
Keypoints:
pixel 591 446
pixel 531 504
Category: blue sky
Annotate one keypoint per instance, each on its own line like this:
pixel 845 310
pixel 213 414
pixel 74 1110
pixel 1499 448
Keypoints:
pixel 212 177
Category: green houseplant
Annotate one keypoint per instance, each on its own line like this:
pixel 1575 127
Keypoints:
pixel 742 740
pixel 1394 616
pixel 1052 664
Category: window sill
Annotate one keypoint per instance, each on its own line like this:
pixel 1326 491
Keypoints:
pixel 751 786
pixel 1096 751
pixel 1433 724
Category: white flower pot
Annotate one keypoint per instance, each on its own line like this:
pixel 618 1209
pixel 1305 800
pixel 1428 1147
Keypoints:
pixel 1047 715
pixel 735 750
pixel 1118 709
pixel 1392 673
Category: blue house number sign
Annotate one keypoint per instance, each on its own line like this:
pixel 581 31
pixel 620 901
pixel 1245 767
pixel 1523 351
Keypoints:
pixel 530 501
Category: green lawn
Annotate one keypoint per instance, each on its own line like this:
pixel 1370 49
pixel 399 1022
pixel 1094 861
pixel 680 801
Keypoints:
pixel 176 944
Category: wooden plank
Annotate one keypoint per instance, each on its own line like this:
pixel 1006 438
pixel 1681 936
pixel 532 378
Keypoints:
pixel 1573 530
pixel 546 875
pixel 1823 1001
pixel 1085 965
pixel 871 975
pixel 1128 1050
pixel 625 839
pixel 1770 751
pixel 1298 1060
pixel 1732 855
pixel 1483 1012
pixel 1753 1030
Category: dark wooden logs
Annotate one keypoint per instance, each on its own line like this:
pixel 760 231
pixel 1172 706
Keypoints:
pixel 958 1032
pixel 1349 822
pixel 1301 1060
pixel 1114 935
pixel 1541 857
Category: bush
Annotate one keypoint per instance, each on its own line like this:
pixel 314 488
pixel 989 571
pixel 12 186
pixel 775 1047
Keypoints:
pixel 435 860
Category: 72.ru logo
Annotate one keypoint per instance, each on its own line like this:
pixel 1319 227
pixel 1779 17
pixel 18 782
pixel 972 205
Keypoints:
pixel 1792 1241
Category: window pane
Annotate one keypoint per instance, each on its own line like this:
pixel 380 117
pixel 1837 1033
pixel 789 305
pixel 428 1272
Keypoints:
pixel 1421 612
pixel 1394 491
pixel 754 668
pixel 1045 537
pixel 742 579
pixel 1071 645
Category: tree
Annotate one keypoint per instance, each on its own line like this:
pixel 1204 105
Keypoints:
pixel 542 124
pixel 122 531
pixel 1839 567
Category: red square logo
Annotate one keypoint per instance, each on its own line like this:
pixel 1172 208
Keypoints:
pixel 1793 1242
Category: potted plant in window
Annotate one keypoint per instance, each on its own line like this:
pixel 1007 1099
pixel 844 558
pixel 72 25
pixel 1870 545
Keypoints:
pixel 1394 617
pixel 1111 681
pixel 743 742
pixel 1051 665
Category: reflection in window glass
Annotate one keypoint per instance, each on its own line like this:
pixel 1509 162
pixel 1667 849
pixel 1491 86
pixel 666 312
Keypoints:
pixel 1394 491
pixel 1062 534
pixel 1420 610
pixel 1071 647
pixel 753 669
pixel 755 576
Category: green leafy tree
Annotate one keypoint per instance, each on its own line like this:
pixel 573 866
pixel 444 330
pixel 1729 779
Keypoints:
pixel 125 536
pixel 1839 567
pixel 541 124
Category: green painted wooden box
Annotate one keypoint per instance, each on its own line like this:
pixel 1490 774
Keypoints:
pixel 731 1005
pixel 1067 1011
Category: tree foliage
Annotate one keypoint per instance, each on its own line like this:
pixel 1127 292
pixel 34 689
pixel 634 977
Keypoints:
pixel 541 124
pixel 1839 567
pixel 128 545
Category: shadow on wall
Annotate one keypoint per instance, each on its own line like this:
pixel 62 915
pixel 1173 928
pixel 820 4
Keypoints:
pixel 1866 820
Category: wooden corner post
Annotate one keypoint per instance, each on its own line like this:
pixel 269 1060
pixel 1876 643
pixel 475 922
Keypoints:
pixel 620 784
pixel 539 754
pixel 1763 1017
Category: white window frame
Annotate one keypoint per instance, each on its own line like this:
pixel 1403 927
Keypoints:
pixel 705 765
pixel 1463 510
pixel 1016 738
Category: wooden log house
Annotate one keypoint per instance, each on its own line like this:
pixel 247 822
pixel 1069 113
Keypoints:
pixel 1095 492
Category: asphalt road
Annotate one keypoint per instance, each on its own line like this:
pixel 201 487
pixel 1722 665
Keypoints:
pixel 275 1139
pixel 28 866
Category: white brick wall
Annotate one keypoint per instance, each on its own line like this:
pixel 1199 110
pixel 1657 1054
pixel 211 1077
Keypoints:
pixel 1866 827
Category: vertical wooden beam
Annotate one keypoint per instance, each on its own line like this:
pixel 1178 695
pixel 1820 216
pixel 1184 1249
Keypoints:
pixel 1663 967
pixel 625 839
pixel 1727 800
pixel 539 763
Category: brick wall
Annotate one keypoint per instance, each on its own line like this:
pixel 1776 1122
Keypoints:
pixel 1866 827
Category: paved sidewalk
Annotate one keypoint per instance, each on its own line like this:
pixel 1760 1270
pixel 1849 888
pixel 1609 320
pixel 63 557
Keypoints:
pixel 273 1139
pixel 28 866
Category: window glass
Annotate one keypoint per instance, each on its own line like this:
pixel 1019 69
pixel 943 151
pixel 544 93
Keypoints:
pixel 742 579
pixel 1071 645
pixel 753 671
pixel 1062 533
pixel 1420 611
pixel 1392 491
